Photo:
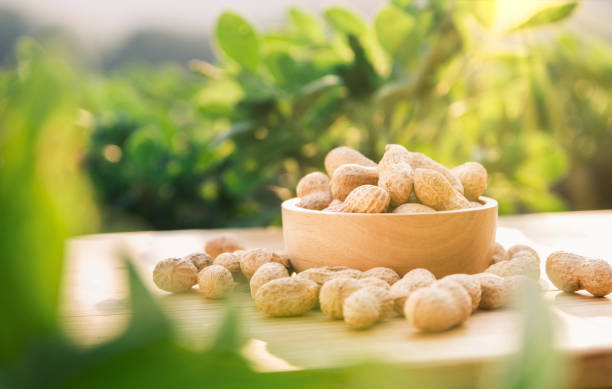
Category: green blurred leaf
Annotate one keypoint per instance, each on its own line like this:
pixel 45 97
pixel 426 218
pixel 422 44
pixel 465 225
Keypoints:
pixel 306 25
pixel 220 96
pixel 284 68
pixel 238 40
pixel 44 198
pixel 236 129
pixel 538 364
pixel 345 21
pixel 359 76
pixel 547 15
pixel 257 89
pixel 229 337
pixel 484 11
pixel 308 95
pixel 147 150
pixel 393 28
pixel 148 321
pixel 403 3
pixel 545 162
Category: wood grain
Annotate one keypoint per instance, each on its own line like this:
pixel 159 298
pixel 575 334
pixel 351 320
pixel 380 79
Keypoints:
pixel 94 307
pixel 443 242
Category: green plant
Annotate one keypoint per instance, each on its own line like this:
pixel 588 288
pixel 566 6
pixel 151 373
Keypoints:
pixel 43 196
pixel 222 146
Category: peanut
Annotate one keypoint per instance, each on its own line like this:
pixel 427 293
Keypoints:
pixel 366 199
pixel 413 208
pixel 395 174
pixel 473 177
pixel 215 281
pixel 384 273
pixel 523 261
pixel 267 272
pixel 289 296
pixel 200 260
pixel 366 306
pixel 222 244
pixel 572 272
pixel 335 206
pixel 321 275
pixel 374 281
pixel 518 283
pixel 253 259
pixel 523 265
pixel 496 291
pixel 499 253
pixel 350 176
pixel 343 155
pixel 175 275
pixel 419 160
pixel 435 191
pixel 440 306
pixel 313 191
pixel 334 292
pixel 413 280
pixel 517 249
pixel 470 284
pixel 230 261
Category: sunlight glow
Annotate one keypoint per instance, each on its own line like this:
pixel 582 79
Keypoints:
pixel 513 12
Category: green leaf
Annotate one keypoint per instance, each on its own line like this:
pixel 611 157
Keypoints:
pixel 309 93
pixel 229 335
pixel 43 195
pixel 395 90
pixel 235 129
pixel 345 21
pixel 148 321
pixel 238 40
pixel 360 77
pixel 305 25
pixel 393 28
pixel 402 3
pixel 537 364
pixel 220 96
pixel 484 11
pixel 548 15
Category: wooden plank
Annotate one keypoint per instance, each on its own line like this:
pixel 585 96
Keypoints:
pixel 95 309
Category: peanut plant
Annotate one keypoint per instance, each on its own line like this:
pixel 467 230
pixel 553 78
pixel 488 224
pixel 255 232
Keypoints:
pixel 227 140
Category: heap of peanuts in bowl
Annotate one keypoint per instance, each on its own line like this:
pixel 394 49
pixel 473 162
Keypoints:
pixel 402 182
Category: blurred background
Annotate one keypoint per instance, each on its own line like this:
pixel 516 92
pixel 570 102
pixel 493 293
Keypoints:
pixel 194 116
pixel 119 116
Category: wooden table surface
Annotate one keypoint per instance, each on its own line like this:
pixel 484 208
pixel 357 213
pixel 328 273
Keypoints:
pixel 94 304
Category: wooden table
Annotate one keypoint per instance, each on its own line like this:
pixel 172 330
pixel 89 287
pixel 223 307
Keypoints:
pixel 94 305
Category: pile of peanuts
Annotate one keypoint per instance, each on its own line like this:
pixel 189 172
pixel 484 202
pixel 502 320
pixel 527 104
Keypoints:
pixel 402 182
pixel 363 298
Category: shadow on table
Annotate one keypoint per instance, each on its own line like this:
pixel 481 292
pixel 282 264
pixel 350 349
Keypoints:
pixel 583 305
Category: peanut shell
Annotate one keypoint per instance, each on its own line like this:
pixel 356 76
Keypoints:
pixel 289 296
pixel 343 155
pixel 350 176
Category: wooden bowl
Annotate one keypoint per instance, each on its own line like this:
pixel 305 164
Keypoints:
pixel 444 242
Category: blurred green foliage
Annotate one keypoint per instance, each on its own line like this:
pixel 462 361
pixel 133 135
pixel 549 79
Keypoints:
pixel 224 144
pixel 43 197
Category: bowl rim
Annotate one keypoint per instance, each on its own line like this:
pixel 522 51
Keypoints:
pixel 291 205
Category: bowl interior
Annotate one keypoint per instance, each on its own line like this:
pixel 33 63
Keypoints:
pixel 487 203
